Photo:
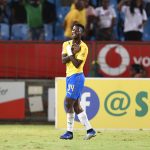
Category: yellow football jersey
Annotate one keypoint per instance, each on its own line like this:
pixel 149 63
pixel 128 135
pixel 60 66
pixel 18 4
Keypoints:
pixel 82 15
pixel 70 18
pixel 81 55
pixel 74 15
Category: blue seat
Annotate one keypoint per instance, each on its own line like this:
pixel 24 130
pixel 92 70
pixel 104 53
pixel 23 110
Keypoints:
pixel 57 2
pixel 48 32
pixel 61 13
pixel 4 31
pixel 19 32
pixel 113 3
pixel 59 31
pixel 146 35
pixel 51 1
pixel 94 2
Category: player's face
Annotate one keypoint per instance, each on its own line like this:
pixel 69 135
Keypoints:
pixel 76 33
pixel 105 3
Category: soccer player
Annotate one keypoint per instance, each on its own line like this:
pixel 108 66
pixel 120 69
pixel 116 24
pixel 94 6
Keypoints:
pixel 74 55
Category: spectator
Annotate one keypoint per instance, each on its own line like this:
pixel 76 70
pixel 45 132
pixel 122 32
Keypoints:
pixel 19 30
pixel 137 71
pixel 147 7
pixel 135 18
pixel 5 14
pixel 106 16
pixel 73 17
pixel 18 12
pixel 120 22
pixel 34 18
pixel 83 21
pixel 91 20
pixel 49 18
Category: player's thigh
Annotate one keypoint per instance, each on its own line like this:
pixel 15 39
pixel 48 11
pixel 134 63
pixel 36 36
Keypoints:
pixel 77 107
pixel 69 105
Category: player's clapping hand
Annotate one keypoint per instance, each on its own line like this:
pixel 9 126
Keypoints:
pixel 75 48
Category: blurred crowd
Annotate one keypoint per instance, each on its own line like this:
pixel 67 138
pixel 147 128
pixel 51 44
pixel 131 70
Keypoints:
pixel 37 19
pixel 26 19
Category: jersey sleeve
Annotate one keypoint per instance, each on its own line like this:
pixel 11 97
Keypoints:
pixel 64 51
pixel 75 16
pixel 82 53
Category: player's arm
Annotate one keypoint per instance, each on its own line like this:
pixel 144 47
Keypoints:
pixel 76 62
pixel 71 53
pixel 121 3
pixel 65 58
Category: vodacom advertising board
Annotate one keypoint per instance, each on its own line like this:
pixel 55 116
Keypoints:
pixel 115 59
pixel 114 103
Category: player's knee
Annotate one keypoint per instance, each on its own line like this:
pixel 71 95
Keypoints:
pixel 78 109
pixel 67 106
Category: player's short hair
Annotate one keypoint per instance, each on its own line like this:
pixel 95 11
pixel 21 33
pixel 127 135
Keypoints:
pixel 81 27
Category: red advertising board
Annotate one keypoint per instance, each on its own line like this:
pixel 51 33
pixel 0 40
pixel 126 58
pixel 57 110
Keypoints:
pixel 43 59
pixel 12 100
pixel 32 60
pixel 116 58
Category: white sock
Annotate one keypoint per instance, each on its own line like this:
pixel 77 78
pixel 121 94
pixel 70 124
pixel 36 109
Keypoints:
pixel 84 120
pixel 70 121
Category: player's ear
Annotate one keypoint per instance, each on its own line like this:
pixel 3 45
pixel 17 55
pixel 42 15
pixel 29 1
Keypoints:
pixel 81 31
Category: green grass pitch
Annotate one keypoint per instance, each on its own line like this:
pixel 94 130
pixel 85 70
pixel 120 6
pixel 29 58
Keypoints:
pixel 46 137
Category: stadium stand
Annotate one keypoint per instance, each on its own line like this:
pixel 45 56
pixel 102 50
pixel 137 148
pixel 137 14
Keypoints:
pixel 19 32
pixel 48 32
pixel 55 31
pixel 59 32
pixel 4 31
pixel 147 31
